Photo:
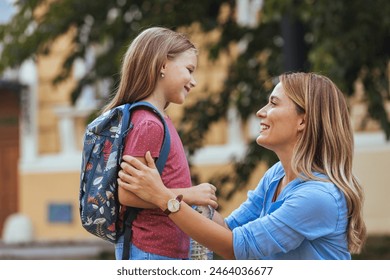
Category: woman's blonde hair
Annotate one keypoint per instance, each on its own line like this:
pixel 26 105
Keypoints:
pixel 326 144
pixel 143 61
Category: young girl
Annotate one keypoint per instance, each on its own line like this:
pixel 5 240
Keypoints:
pixel 158 68
pixel 307 206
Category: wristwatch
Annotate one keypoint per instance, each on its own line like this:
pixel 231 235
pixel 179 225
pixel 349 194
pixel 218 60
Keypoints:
pixel 173 205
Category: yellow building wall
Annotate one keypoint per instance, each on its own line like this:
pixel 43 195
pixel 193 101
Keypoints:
pixel 38 191
pixel 372 168
pixel 50 95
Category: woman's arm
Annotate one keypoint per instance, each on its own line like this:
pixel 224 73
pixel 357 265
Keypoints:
pixel 145 182
pixel 202 194
pixel 217 238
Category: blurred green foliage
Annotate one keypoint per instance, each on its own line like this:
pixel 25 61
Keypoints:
pixel 377 248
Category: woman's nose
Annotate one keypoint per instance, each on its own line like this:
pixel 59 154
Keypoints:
pixel 262 112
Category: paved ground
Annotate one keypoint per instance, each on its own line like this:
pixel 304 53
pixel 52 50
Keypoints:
pixel 57 250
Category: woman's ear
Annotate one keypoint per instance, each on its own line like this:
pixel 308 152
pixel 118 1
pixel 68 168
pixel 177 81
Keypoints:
pixel 302 123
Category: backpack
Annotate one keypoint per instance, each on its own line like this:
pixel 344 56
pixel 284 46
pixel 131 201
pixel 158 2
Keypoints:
pixel 104 139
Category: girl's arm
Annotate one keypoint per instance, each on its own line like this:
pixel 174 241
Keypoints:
pixel 145 182
pixel 217 218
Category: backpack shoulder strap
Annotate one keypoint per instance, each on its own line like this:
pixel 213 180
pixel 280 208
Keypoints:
pixel 166 145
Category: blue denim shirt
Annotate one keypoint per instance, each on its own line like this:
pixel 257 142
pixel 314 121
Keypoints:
pixel 308 221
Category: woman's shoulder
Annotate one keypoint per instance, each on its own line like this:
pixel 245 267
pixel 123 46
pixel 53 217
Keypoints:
pixel 320 181
pixel 319 190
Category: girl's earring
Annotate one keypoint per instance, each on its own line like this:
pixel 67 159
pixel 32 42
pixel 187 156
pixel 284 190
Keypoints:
pixel 162 75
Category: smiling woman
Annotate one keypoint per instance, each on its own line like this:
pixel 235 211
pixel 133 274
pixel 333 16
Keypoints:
pixel 281 123
pixel 307 206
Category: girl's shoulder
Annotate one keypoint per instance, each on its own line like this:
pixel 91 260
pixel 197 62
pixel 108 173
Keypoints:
pixel 143 115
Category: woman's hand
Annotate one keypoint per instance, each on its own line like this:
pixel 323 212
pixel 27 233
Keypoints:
pixel 144 180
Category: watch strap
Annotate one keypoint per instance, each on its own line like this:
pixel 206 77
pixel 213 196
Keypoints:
pixel 179 198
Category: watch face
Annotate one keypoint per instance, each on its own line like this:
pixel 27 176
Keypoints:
pixel 173 205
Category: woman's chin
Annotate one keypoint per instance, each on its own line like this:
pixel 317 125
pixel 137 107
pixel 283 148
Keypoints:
pixel 259 140
pixel 262 142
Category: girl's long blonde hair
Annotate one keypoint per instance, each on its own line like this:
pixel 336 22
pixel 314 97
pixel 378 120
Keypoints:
pixel 327 144
pixel 143 61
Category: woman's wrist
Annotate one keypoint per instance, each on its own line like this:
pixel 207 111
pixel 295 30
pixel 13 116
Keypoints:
pixel 164 198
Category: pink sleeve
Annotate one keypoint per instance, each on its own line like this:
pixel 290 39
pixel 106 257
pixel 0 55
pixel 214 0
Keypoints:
pixel 147 135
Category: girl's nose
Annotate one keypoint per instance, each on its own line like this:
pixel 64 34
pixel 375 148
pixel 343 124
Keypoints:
pixel 193 82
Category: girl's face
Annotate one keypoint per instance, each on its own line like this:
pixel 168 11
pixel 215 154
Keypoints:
pixel 280 123
pixel 179 78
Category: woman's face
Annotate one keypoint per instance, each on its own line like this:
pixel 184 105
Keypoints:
pixel 280 123
pixel 179 78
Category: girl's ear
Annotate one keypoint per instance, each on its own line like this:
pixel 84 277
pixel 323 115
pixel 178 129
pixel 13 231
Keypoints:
pixel 163 68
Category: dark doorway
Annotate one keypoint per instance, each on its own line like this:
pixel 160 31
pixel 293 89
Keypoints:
pixel 9 149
